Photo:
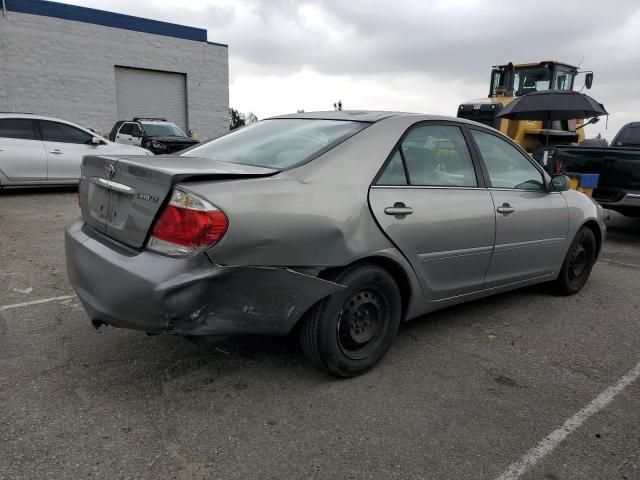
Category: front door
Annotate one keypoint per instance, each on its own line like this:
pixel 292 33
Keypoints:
pixel 65 146
pixel 22 154
pixel 124 135
pixel 430 203
pixel 531 223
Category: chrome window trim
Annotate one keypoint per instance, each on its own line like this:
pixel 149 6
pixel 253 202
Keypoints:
pixel 502 189
pixel 428 187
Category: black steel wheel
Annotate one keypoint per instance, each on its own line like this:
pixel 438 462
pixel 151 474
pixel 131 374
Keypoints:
pixel 350 331
pixel 577 264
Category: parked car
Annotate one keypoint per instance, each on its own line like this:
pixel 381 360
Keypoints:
pixel 38 150
pixel 155 134
pixel 337 225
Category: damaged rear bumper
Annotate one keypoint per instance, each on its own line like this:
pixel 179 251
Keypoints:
pixel 145 291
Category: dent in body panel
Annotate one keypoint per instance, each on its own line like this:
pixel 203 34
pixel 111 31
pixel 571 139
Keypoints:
pixel 230 300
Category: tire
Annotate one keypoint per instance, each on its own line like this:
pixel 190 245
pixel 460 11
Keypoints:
pixel 349 332
pixel 577 264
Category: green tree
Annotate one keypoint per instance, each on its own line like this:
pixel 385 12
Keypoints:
pixel 236 119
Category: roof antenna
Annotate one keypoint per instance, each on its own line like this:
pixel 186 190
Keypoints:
pixel 578 67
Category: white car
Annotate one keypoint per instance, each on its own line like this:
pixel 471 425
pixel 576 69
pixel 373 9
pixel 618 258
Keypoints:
pixel 38 150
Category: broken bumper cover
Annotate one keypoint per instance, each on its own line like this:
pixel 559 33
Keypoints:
pixel 145 291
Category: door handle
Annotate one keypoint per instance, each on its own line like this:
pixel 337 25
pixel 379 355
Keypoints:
pixel 505 209
pixel 56 152
pixel 399 209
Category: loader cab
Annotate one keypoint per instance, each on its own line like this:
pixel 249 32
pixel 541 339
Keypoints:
pixel 517 80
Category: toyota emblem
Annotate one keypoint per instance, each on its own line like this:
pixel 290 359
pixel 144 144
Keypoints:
pixel 110 170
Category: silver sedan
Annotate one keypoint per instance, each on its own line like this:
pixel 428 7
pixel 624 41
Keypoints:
pixel 335 225
pixel 38 150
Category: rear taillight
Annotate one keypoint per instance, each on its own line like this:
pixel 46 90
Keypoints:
pixel 186 225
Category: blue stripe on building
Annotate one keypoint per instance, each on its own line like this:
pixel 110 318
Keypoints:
pixel 107 19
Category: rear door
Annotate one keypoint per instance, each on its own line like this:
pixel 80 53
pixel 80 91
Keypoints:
pixel 531 223
pixel 431 202
pixel 65 146
pixel 22 154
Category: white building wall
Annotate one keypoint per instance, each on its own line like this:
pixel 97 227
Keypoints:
pixel 66 69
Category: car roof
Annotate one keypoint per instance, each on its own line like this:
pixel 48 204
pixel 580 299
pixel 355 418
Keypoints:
pixel 352 115
pixel 371 116
pixel 33 116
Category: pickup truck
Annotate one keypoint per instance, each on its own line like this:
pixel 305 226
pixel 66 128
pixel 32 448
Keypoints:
pixel 619 169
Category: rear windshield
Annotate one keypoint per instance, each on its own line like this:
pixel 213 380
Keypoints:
pixel 277 143
pixel 629 136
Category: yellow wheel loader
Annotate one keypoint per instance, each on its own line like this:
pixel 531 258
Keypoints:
pixel 511 81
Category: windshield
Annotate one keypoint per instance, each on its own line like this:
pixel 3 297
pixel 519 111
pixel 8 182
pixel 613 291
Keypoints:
pixel 162 130
pixel 277 143
pixel 528 80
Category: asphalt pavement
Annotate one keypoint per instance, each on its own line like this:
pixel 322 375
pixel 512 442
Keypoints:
pixel 464 393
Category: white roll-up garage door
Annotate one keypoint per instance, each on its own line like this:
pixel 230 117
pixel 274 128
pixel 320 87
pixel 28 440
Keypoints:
pixel 150 93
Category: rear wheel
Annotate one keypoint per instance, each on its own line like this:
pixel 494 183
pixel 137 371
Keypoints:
pixel 350 331
pixel 578 263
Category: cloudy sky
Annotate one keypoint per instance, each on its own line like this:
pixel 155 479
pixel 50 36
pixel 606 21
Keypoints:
pixel 409 55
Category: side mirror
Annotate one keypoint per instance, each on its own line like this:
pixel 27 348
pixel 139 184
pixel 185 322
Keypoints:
pixel 560 183
pixel 588 80
pixel 96 141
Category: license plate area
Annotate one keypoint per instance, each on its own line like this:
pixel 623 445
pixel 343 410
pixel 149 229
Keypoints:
pixel 119 206
pixel 98 200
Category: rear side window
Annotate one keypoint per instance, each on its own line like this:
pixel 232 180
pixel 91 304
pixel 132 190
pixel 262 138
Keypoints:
pixel 21 128
pixel 434 155
pixel 393 173
pixel 278 143
pixel 63 133
pixel 507 166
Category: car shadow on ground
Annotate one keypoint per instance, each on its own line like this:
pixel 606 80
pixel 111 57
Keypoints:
pixel 623 229
pixel 187 365
pixel 22 191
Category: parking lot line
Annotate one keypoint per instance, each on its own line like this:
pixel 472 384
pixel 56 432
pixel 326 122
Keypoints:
pixel 551 441
pixel 34 302
pixel 614 262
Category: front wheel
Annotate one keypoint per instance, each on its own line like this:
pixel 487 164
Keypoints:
pixel 577 264
pixel 350 331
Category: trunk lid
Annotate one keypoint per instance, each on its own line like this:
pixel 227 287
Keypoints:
pixel 122 196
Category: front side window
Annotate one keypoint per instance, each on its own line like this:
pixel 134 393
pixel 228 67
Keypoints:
pixel 437 155
pixel 63 133
pixel 136 131
pixel 277 143
pixel 563 81
pixel 20 128
pixel 507 166
pixel 126 129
